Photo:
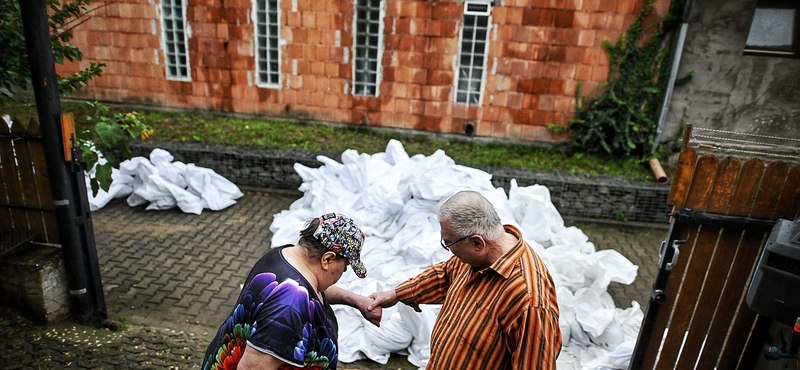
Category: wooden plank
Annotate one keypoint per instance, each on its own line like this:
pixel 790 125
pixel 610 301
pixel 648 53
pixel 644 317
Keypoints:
pixel 5 213
pixel 723 185
pixel 687 293
pixel 733 293
pixel 43 184
pixel 67 134
pixel 745 318
pixel 770 190
pixel 703 180
pixel 754 350
pixel 668 306
pixel 709 301
pixel 789 202
pixel 683 178
pixel 11 181
pixel 746 187
pixel 29 193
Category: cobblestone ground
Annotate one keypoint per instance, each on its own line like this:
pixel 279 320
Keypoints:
pixel 170 278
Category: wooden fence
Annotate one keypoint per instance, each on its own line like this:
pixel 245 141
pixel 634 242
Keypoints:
pixel 26 202
pixel 724 210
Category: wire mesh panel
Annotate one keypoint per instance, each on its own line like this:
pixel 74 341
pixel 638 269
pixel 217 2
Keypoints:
pixel 724 209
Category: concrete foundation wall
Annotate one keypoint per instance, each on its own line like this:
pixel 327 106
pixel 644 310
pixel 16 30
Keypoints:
pixel 34 281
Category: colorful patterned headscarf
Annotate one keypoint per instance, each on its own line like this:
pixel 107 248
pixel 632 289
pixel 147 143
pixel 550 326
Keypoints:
pixel 339 234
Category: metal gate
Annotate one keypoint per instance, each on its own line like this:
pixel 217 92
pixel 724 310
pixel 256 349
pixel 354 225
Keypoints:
pixel 697 317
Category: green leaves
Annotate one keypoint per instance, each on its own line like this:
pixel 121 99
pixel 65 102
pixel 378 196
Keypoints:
pixel 109 134
pixel 15 71
pixel 620 116
pixel 111 131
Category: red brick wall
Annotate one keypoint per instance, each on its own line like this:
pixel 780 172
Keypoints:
pixel 538 51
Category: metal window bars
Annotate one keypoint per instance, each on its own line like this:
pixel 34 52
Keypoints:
pixel 267 57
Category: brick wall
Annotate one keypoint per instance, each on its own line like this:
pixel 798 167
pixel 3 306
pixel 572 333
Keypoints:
pixel 538 50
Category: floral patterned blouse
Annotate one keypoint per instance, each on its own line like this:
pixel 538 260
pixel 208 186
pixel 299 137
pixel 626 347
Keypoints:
pixel 277 313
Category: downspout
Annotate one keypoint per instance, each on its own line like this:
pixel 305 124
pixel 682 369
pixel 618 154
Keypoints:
pixel 677 52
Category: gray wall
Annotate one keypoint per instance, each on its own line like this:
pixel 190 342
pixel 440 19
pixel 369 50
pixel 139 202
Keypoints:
pixel 732 91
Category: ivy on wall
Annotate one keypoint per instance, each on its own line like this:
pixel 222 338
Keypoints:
pixel 620 116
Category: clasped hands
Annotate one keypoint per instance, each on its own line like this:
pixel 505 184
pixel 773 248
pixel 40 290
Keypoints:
pixel 372 306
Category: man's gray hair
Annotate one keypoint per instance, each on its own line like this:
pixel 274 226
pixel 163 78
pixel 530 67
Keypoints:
pixel 470 213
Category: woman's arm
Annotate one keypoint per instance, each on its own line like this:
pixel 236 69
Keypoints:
pixel 253 359
pixel 338 295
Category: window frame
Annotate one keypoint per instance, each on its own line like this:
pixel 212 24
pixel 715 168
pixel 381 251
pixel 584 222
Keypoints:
pixel 468 12
pixel 379 49
pixel 268 38
pixel 793 51
pixel 178 41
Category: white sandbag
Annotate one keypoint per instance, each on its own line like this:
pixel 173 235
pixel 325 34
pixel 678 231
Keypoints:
pixel 594 310
pixel 160 183
pixel 170 171
pixel 394 198
pixel 121 187
pixel 216 191
pixel 163 194
pixel 536 214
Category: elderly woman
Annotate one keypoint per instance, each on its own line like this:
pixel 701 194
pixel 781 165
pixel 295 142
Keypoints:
pixel 283 318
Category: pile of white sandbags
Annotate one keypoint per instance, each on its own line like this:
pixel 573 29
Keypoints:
pixel 394 198
pixel 161 184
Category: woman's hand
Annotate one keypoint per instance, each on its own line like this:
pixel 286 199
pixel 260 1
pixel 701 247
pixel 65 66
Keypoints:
pixel 363 304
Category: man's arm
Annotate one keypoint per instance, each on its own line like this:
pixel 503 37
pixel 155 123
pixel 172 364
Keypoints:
pixel 338 295
pixel 535 340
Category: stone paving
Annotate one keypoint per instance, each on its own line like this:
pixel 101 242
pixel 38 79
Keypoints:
pixel 171 277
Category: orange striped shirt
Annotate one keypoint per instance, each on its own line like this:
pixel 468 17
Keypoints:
pixel 502 317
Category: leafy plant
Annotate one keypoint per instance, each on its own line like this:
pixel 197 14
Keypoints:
pixel 620 116
pixel 110 131
pixel 15 70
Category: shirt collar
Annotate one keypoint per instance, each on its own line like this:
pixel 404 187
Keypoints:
pixel 508 261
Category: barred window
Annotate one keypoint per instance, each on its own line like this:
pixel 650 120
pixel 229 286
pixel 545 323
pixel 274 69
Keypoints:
pixel 174 25
pixel 367 47
pixel 472 57
pixel 267 58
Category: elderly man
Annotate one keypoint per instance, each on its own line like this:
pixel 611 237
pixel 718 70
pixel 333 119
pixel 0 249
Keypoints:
pixel 499 308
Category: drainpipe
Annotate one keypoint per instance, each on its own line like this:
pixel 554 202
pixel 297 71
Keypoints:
pixel 677 52
pixel 48 106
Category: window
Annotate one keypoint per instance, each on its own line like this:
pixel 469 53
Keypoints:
pixel 775 29
pixel 175 51
pixel 267 58
pixel 367 47
pixel 472 57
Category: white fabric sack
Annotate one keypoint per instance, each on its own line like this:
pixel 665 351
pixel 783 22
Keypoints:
pixel 403 239
pixel 216 191
pixel 161 183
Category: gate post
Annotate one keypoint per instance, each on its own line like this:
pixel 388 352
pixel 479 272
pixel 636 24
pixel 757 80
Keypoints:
pixel 90 309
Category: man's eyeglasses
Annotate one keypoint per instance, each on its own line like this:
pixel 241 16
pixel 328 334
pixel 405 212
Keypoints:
pixel 447 246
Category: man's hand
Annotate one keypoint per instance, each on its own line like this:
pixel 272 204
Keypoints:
pixel 373 314
pixel 386 299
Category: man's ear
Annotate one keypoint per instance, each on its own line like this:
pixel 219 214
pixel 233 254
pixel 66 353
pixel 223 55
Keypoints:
pixel 477 242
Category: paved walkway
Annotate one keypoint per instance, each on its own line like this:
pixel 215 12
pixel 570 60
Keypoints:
pixel 170 278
